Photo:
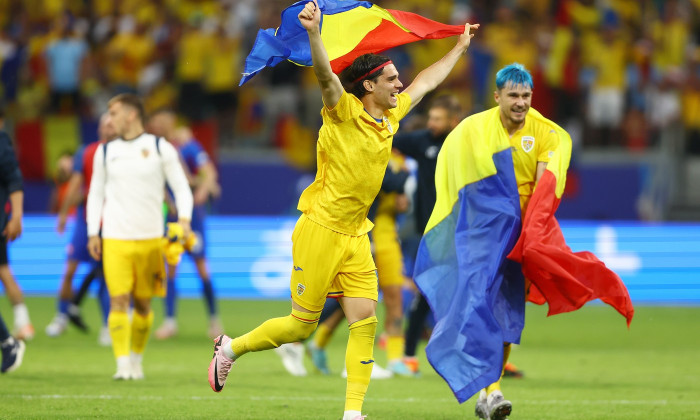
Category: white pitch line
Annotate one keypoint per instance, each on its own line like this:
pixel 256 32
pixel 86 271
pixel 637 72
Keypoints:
pixel 298 398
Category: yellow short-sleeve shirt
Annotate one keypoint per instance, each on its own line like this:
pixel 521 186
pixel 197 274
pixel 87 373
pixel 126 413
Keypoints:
pixel 535 142
pixel 352 153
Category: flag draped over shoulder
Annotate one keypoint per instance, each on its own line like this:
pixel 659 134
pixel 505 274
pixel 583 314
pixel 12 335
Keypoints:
pixel 349 29
pixel 476 294
pixel 469 264
pixel 564 279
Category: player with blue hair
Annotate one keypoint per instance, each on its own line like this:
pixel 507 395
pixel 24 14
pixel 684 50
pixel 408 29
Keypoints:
pixel 533 141
pixel 514 73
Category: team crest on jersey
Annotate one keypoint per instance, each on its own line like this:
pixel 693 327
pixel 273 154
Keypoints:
pixel 144 152
pixel 300 289
pixel 528 142
pixel 388 125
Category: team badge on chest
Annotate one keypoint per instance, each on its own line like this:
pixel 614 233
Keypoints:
pixel 388 125
pixel 144 152
pixel 528 142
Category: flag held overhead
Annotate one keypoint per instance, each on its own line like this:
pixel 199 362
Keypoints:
pixel 349 29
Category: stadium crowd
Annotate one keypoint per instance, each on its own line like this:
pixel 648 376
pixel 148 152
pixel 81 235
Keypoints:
pixel 615 72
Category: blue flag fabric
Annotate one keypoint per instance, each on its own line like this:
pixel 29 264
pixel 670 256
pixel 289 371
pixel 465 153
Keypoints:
pixel 477 295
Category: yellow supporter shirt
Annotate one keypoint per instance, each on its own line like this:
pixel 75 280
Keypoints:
pixel 352 153
pixel 533 143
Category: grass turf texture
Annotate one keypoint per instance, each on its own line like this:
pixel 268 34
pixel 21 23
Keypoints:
pixel 583 365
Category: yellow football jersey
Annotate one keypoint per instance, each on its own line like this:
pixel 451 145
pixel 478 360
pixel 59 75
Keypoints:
pixel 352 153
pixel 533 143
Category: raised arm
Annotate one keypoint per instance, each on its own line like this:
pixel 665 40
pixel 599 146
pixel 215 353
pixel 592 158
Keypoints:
pixel 430 78
pixel 331 88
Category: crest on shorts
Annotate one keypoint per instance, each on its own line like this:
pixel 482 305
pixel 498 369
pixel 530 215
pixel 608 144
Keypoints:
pixel 144 152
pixel 528 142
pixel 300 289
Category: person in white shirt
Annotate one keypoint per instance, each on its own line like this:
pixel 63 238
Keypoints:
pixel 125 200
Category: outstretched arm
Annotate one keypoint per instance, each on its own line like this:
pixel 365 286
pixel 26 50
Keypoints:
pixel 331 88
pixel 430 78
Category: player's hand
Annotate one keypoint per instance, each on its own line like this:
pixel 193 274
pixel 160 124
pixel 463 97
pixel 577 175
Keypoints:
pixel 13 230
pixel 61 225
pixel 94 247
pixel 310 16
pixel 186 228
pixel 466 38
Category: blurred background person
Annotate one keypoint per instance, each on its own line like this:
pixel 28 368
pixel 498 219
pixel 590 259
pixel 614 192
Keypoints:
pixel 203 180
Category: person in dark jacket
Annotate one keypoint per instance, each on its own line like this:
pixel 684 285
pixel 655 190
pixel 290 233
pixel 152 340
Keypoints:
pixel 10 229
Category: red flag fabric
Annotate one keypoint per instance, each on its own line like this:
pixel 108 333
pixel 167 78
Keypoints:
pixel 564 279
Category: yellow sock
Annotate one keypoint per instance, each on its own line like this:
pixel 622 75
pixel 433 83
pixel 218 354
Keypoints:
pixel 276 331
pixel 496 386
pixel 506 354
pixel 120 331
pixel 394 347
pixel 322 336
pixel 359 361
pixel 140 330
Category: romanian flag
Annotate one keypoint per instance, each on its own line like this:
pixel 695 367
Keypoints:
pixel 349 29
pixel 473 258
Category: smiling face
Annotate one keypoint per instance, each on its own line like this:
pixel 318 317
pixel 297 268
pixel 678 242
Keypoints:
pixel 514 102
pixel 384 89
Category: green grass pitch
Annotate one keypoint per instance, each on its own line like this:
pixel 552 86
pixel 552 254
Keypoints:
pixel 583 365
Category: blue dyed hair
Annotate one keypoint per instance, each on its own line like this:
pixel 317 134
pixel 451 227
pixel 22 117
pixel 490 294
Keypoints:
pixel 515 73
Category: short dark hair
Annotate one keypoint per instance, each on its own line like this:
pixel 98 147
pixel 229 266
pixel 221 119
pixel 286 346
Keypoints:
pixel 448 102
pixel 362 66
pixel 132 100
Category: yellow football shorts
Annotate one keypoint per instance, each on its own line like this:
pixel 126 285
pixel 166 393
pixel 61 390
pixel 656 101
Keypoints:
pixel 330 264
pixel 134 267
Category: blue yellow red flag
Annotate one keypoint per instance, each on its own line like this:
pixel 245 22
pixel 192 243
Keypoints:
pixel 349 29
pixel 473 258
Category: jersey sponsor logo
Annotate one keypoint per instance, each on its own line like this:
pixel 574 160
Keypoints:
pixel 528 142
pixel 300 289
pixel 145 152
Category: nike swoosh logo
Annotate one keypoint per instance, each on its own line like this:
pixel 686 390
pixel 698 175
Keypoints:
pixel 366 362
pixel 217 387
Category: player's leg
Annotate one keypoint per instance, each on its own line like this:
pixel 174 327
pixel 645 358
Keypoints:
pixel 104 338
pixel 359 355
pixel 417 314
pixel 357 279
pixel 12 349
pixel 198 253
pixel 119 276
pixel 315 252
pixel 491 404
pixel 74 315
pixel 23 326
pixel 215 326
pixel 391 279
pixel 149 281
pixel 77 253
pixel 169 326
pixel 331 317
pixel 59 323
